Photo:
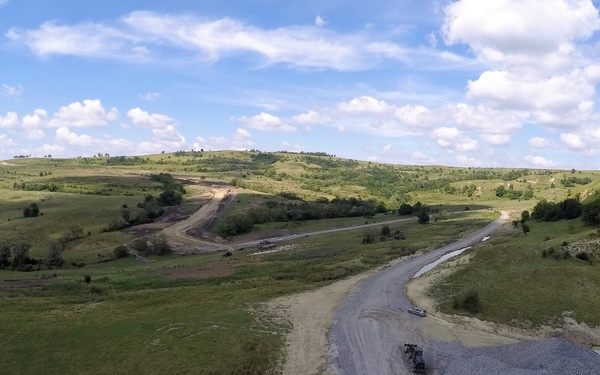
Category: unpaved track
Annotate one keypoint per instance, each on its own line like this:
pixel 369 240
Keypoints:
pixel 372 325
pixel 178 232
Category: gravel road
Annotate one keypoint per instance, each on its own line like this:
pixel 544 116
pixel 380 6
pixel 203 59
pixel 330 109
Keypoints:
pixel 372 325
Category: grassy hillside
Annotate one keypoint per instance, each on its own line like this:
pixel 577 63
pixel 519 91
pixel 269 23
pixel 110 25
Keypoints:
pixel 202 314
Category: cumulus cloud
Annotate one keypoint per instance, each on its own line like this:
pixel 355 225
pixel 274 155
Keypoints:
pixel 33 123
pixel 90 113
pixel 365 104
pixel 539 142
pixel 149 120
pixel 11 120
pixel 63 134
pixel 573 141
pixel 515 30
pixel 539 161
pixel 466 161
pixel 265 122
pixel 453 139
pixel 311 117
pixel 241 140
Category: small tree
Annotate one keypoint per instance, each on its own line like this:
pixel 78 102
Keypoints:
pixel 120 252
pixel 525 228
pixel 159 245
pixel 31 211
pixel 423 217
pixel 53 257
pixel 385 230
pixel 5 254
pixel 525 216
pixel 21 256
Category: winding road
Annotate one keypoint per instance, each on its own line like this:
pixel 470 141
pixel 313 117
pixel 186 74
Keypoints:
pixel 372 323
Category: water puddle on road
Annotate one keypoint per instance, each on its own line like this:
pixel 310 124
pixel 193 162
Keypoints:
pixel 431 265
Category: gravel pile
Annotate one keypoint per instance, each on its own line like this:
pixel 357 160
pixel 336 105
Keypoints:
pixel 547 357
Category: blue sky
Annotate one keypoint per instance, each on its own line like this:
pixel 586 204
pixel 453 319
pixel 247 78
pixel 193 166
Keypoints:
pixel 495 83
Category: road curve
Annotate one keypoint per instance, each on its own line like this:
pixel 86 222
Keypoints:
pixel 372 323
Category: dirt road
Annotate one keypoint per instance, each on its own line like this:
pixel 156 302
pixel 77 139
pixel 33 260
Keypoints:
pixel 372 324
pixel 218 197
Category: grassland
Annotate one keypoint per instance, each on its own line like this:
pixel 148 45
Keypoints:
pixel 135 318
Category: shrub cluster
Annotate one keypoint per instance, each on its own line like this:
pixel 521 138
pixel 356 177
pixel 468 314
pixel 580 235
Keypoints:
pixel 549 211
pixel 470 302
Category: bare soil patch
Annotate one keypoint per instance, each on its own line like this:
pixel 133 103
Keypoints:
pixel 31 283
pixel 203 272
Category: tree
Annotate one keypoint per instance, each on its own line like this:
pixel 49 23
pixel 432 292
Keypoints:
pixel 120 252
pixel 525 216
pixel 5 254
pixel 31 211
pixel 159 245
pixel 405 209
pixel 53 257
pixel 385 230
pixel 591 213
pixel 525 228
pixel 500 191
pixel 423 217
pixel 21 256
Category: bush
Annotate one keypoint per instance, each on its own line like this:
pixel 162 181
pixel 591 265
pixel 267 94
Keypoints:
pixel 584 256
pixel 31 211
pixel 470 302
pixel 87 279
pixel 121 252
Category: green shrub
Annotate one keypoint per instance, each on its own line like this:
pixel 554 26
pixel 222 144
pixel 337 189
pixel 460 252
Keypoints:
pixel 120 252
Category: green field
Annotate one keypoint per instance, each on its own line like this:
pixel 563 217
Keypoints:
pixel 151 317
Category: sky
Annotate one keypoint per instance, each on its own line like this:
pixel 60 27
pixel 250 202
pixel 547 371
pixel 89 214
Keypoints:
pixel 471 83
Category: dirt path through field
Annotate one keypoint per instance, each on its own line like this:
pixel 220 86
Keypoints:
pixel 218 197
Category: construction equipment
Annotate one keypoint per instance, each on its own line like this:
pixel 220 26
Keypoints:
pixel 415 356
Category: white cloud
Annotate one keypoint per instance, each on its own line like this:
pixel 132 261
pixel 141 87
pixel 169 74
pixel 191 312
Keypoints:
pixel 87 39
pixel 320 21
pixel 311 117
pixel 531 91
pixel 242 139
pixel 540 67
pixel 419 116
pixel 63 134
pixel 6 142
pixel 90 113
pixel 10 121
pixel 12 90
pixel 432 39
pixel 144 119
pixel 516 30
pixel 539 161
pixel 365 104
pixel 539 142
pixel 47 149
pixel 496 139
pixel 141 36
pixel 453 139
pixel 150 96
pixel 211 144
pixel 573 141
pixel 466 161
pixel 265 122
pixel 33 123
